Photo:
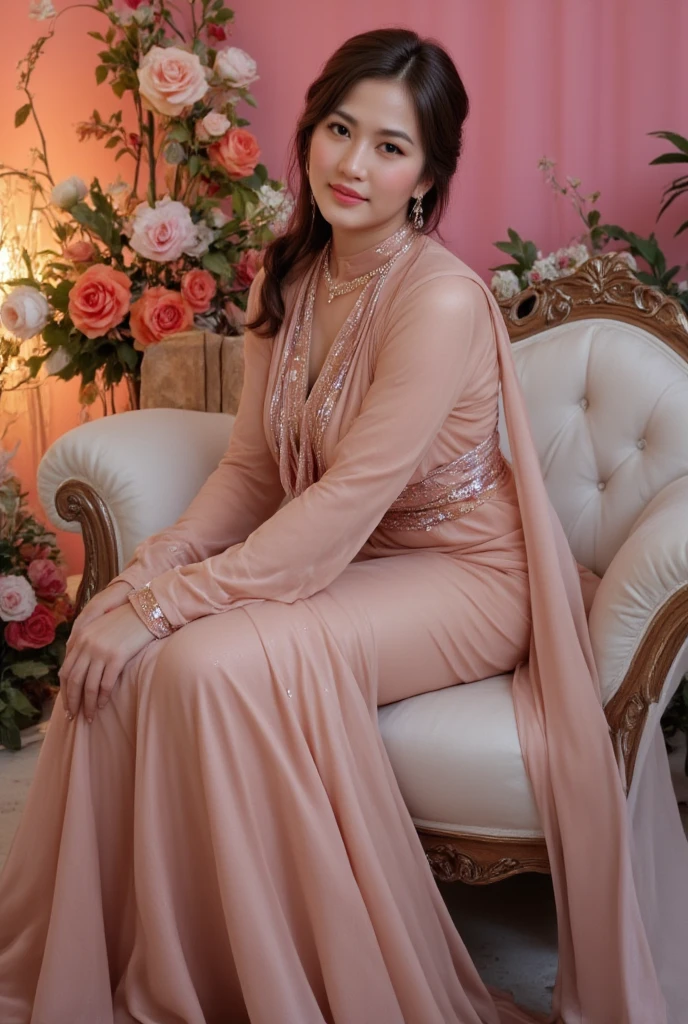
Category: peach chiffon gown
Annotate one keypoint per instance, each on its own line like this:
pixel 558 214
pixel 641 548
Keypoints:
pixel 227 842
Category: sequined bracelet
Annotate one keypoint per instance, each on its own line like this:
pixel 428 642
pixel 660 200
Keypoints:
pixel 149 611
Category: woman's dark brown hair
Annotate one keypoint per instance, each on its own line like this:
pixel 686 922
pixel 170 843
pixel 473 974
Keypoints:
pixel 441 105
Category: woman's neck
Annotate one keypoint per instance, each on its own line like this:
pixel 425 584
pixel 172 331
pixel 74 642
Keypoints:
pixel 347 245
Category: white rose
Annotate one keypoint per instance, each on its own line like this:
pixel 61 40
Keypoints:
pixel 270 198
pixel 201 243
pixel 17 598
pixel 171 79
pixel 25 312
pixel 213 125
pixel 163 232
pixel 69 192
pixel 505 284
pixel 235 66
pixel 682 285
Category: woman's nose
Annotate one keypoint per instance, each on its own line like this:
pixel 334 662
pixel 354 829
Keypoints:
pixel 353 161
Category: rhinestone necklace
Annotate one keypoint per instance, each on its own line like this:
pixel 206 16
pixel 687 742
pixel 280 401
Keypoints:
pixel 335 290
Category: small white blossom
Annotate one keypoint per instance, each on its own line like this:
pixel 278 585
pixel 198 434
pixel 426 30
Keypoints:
pixel 217 218
pixel 204 237
pixel 629 258
pixel 505 284
pixel 682 287
pixel 543 270
pixel 41 10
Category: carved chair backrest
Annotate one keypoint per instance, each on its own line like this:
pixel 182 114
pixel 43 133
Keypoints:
pixel 603 361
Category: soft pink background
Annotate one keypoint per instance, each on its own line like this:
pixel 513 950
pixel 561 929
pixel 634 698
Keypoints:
pixel 582 82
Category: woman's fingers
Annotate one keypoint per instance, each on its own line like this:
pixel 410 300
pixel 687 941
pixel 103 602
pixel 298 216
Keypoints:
pixel 92 688
pixel 107 683
pixel 73 684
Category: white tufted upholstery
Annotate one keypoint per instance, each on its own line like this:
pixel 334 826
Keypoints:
pixel 609 409
pixel 146 466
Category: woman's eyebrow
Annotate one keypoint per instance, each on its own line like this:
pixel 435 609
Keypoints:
pixel 394 132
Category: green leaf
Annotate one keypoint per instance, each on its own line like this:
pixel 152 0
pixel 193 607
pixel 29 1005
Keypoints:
pixel 194 165
pixel 250 99
pixel 101 74
pixel 678 140
pixel 9 734
pixel 21 704
pixel 217 263
pixel 29 669
pixel 111 143
pixel 179 133
pixel 96 35
pixel 222 15
pixel 119 88
pixel 21 115
pixel 670 158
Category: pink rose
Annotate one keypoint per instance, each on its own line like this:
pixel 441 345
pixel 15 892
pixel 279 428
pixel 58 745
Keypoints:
pixel 237 152
pixel 17 599
pixel 248 266
pixel 135 4
pixel 199 288
pixel 81 251
pixel 171 79
pixel 48 579
pixel 33 633
pixel 213 125
pixel 99 300
pixel 163 232
pixel 158 313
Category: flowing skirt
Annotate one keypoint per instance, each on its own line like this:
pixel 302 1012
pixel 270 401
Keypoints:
pixel 227 842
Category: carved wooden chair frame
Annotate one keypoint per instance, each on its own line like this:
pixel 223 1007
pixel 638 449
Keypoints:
pixel 603 287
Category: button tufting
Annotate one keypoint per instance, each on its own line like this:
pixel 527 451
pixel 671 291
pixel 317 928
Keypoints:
pixel 641 443
pixel 601 485
pixel 584 404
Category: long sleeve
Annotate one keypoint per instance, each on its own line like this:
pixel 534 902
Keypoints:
pixel 423 363
pixel 240 494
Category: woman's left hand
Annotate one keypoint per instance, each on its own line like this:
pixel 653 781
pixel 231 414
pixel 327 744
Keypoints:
pixel 96 659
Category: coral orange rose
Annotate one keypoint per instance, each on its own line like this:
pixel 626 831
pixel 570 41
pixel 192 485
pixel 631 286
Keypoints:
pixel 237 152
pixel 157 314
pixel 99 300
pixel 199 288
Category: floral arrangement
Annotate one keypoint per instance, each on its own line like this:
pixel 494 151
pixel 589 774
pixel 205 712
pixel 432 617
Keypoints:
pixel 178 246
pixel 529 266
pixel 35 611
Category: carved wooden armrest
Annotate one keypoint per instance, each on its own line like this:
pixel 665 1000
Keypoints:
pixel 78 502
pixel 639 620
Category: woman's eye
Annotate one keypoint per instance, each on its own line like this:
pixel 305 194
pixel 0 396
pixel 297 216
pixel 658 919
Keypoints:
pixel 392 147
pixel 334 125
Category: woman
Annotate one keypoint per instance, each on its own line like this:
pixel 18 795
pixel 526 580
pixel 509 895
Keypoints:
pixel 215 833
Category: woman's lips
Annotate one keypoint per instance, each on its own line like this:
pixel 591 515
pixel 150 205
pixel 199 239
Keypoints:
pixel 346 198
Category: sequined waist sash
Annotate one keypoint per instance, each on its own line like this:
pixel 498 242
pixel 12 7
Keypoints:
pixel 449 491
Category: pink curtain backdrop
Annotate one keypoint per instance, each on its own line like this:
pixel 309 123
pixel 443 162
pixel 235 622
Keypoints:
pixel 582 83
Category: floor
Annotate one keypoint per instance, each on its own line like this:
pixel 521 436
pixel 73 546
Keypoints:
pixel 509 928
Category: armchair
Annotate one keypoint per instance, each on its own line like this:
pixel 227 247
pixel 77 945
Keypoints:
pixel 603 361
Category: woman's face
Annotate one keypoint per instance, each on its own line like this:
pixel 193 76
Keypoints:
pixel 370 145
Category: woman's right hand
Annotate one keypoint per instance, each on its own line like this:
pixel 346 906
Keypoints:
pixel 112 597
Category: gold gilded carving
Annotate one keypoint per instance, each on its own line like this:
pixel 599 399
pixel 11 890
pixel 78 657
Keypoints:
pixel 642 685
pixel 604 286
pixel 77 501
pixel 481 860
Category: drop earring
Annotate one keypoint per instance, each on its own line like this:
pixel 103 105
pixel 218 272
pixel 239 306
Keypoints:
pixel 417 213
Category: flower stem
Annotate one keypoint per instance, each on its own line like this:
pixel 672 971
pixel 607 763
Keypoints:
pixel 150 132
